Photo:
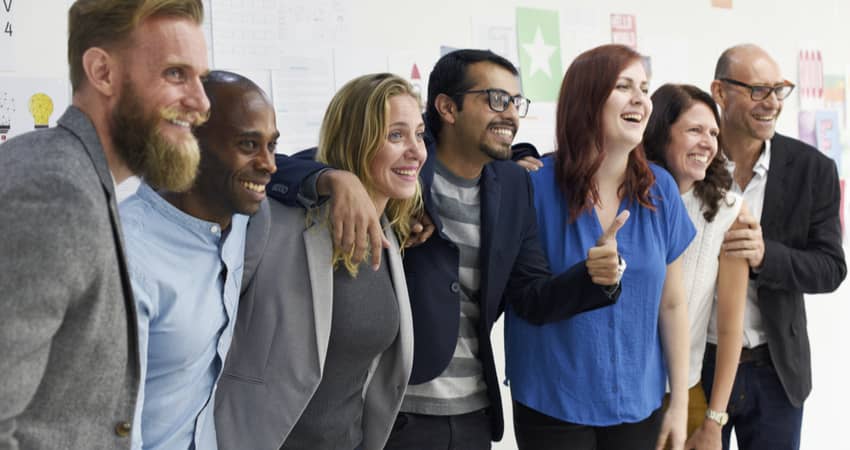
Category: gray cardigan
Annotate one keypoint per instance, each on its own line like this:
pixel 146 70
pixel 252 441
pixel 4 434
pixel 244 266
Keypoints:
pixel 69 363
pixel 282 331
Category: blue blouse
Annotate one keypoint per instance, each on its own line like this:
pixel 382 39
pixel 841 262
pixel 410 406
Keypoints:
pixel 603 367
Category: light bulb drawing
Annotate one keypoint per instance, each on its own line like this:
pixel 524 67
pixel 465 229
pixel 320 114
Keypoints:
pixel 41 107
pixel 7 107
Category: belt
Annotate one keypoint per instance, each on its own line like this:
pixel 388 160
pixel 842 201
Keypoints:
pixel 759 354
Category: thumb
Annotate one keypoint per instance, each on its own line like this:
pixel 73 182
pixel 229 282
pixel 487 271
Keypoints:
pixel 611 233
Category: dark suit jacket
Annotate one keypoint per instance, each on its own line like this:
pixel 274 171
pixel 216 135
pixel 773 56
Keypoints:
pixel 69 364
pixel 803 254
pixel 513 269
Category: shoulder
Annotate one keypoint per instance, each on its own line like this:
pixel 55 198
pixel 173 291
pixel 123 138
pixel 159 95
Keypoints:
pixel 663 179
pixel 799 150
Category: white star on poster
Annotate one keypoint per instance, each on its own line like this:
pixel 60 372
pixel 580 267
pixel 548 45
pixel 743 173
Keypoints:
pixel 540 54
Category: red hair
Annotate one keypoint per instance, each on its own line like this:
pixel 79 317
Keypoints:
pixel 579 132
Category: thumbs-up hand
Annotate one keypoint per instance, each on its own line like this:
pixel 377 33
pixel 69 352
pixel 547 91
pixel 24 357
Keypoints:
pixel 603 261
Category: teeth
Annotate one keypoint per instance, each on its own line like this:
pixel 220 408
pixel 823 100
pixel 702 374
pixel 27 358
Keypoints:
pixel 633 117
pixel 179 123
pixel 503 131
pixel 405 172
pixel 764 118
pixel 701 158
pixel 254 186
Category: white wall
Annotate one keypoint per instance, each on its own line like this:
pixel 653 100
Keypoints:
pixel 683 37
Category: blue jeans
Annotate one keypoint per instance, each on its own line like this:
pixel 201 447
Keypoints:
pixel 759 410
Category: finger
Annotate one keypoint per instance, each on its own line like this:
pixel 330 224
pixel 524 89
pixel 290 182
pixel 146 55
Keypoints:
pixel 528 163
pixel 602 252
pixel 361 241
pixel 416 228
pixel 749 220
pixel 611 233
pixel 346 240
pixel 376 242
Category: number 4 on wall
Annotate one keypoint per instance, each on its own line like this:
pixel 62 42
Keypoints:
pixel 8 28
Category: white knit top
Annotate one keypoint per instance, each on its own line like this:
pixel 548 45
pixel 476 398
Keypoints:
pixel 700 263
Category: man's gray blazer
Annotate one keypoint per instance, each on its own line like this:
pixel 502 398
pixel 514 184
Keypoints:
pixel 283 327
pixel 69 368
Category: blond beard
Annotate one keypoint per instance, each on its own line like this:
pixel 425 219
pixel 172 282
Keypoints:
pixel 164 164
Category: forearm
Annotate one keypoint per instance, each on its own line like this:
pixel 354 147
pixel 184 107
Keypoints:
pixel 731 301
pixel 673 325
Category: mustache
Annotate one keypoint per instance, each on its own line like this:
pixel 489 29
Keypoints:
pixel 195 119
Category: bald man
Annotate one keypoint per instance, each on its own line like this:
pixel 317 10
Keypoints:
pixel 186 252
pixel 792 244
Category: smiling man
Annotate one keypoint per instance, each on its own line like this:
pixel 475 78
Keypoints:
pixel 792 244
pixel 185 252
pixel 68 350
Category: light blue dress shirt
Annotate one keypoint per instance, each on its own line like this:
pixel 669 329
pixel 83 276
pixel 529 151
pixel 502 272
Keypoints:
pixel 606 366
pixel 186 275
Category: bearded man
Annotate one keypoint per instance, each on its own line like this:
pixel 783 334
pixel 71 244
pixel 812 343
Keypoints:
pixel 69 356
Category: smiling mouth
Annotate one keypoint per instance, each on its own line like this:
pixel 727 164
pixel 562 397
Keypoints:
pixel 699 158
pixel 763 118
pixel 255 187
pixel 632 117
pixel 502 131
pixel 180 123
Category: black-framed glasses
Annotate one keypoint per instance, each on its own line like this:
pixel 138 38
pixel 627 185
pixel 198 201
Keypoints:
pixel 499 100
pixel 760 92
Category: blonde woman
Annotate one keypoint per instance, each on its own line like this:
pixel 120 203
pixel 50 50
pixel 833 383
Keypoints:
pixel 322 351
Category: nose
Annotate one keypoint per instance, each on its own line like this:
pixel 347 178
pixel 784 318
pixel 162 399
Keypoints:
pixel 265 162
pixel 196 99
pixel 416 150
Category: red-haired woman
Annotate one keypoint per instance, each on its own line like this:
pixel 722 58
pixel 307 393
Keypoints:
pixel 596 381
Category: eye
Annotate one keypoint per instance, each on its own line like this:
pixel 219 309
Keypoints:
pixel 420 136
pixel 272 146
pixel 175 74
pixel 715 133
pixel 395 136
pixel 644 89
pixel 623 86
pixel 248 145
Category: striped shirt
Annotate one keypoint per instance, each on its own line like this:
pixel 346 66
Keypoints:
pixel 460 388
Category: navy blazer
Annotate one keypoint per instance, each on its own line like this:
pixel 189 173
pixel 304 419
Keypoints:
pixel 514 270
pixel 803 254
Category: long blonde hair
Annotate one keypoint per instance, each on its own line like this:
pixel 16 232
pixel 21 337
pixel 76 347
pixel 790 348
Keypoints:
pixel 354 128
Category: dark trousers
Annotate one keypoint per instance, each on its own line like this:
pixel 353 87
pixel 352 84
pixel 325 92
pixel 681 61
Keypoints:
pixel 759 410
pixel 422 432
pixel 537 431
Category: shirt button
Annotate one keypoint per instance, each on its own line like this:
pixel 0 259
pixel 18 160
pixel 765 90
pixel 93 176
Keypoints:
pixel 214 229
pixel 455 287
pixel 122 429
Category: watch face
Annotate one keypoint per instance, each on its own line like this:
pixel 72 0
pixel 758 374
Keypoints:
pixel 719 417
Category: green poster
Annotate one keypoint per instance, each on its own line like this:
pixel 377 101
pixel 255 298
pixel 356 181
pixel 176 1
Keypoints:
pixel 539 45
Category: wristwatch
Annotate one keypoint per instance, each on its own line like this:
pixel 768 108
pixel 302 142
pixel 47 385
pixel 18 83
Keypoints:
pixel 719 417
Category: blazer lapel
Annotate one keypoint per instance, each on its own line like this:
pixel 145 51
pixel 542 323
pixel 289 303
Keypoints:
pixel 256 241
pixel 777 183
pixel 317 242
pixel 491 198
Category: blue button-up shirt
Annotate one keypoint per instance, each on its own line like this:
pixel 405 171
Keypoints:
pixel 606 366
pixel 186 275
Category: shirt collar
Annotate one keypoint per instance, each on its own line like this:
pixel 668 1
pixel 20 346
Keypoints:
pixel 762 164
pixel 209 231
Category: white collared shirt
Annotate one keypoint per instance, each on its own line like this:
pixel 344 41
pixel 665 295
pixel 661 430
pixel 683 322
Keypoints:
pixel 753 194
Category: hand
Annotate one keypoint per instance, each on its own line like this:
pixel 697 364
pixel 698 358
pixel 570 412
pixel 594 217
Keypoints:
pixel 706 437
pixel 530 163
pixel 746 243
pixel 354 220
pixel 603 260
pixel 674 426
pixel 421 228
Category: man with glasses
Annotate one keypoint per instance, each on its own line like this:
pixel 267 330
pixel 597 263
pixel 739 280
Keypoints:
pixel 484 255
pixel 794 248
